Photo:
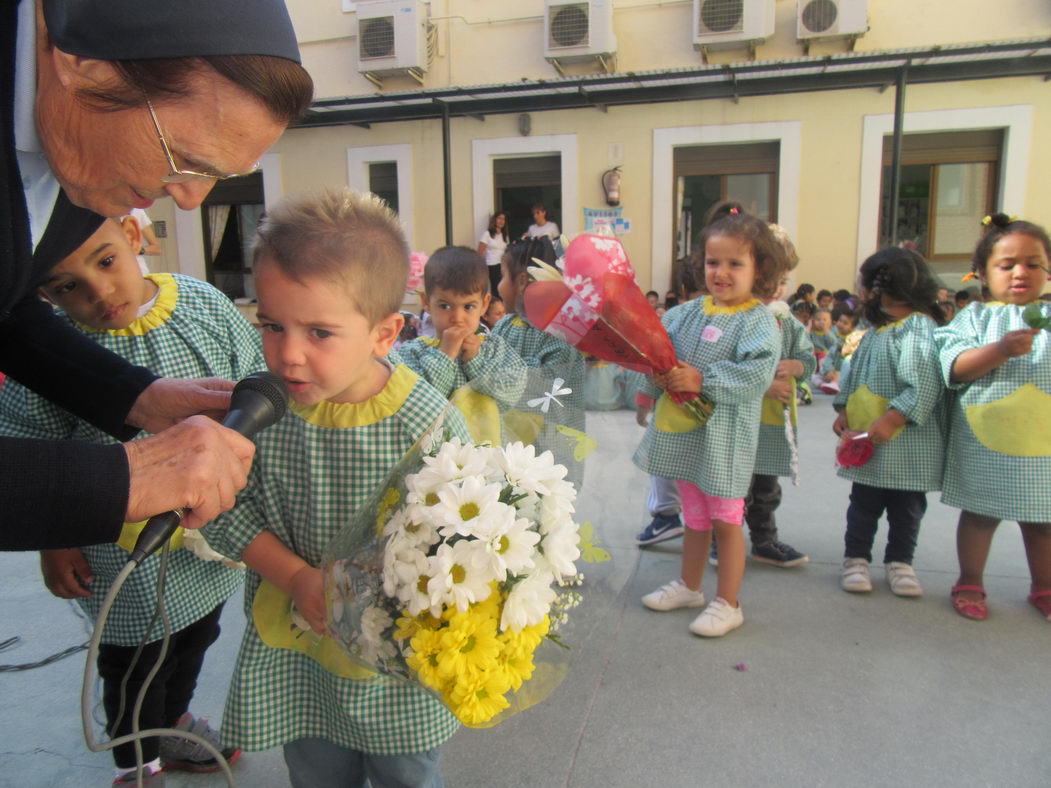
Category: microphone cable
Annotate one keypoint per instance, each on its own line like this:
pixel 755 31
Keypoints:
pixel 136 736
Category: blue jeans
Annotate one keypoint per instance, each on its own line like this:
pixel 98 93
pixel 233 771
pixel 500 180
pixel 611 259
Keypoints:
pixel 905 510
pixel 318 763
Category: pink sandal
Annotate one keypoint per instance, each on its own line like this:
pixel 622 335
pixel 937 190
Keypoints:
pixel 1041 600
pixel 975 609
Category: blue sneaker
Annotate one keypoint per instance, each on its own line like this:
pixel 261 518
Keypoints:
pixel 661 528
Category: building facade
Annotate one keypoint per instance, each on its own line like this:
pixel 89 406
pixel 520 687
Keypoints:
pixel 452 109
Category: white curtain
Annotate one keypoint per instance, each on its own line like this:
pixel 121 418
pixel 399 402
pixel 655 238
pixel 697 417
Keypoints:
pixel 217 217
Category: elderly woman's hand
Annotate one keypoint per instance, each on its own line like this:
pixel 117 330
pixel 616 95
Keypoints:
pixel 167 401
pixel 197 465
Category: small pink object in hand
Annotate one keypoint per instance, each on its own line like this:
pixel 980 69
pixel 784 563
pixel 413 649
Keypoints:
pixel 856 451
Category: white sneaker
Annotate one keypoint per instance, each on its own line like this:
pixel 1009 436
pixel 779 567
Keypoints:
pixel 855 577
pixel 672 596
pixel 717 619
pixel 902 579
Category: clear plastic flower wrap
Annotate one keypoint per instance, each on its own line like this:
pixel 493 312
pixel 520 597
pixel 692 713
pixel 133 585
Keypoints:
pixel 463 571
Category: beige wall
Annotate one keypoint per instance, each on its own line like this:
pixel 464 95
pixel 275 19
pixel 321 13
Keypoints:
pixel 830 152
pixel 486 41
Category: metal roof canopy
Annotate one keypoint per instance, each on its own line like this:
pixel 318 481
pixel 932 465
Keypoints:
pixel 1029 57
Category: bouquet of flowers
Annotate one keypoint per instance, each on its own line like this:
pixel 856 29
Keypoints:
pixel 595 305
pixel 459 573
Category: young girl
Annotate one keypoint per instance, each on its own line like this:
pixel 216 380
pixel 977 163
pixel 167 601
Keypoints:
pixel 893 392
pixel 563 365
pixel 999 455
pixel 728 347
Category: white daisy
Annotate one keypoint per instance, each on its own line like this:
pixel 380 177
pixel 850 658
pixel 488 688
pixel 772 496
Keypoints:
pixel 374 622
pixel 462 507
pixel 458 580
pixel 417 594
pixel 528 601
pixel 508 546
pixel 559 548
pixel 529 471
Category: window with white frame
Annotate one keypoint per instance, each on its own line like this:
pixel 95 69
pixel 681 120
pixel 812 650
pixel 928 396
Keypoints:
pixel 949 181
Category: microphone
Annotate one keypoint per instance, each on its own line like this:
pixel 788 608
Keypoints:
pixel 257 402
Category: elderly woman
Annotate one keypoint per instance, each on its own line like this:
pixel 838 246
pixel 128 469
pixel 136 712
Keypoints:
pixel 116 103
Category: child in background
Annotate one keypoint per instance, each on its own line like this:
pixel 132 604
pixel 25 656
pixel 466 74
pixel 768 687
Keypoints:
pixel 330 273
pixel 824 299
pixel 821 336
pixel 844 324
pixel 539 349
pixel 894 393
pixel 179 327
pixel 773 457
pixel 654 298
pixel 456 283
pixel 728 346
pixel 999 456
pixel 803 311
pixel 495 313
pixel 805 292
pixel 671 298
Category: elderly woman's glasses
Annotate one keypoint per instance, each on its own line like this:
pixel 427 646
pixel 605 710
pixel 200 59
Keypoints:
pixel 179 175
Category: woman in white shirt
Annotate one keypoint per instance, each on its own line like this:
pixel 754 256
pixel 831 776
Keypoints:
pixel 492 246
pixel 541 226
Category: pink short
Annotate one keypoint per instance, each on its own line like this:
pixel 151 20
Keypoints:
pixel 699 509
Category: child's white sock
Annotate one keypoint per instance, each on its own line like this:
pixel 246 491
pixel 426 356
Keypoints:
pixel 148 769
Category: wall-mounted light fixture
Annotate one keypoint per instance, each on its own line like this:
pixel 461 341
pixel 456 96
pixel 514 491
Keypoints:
pixel 611 185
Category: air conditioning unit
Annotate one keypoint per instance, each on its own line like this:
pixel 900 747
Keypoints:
pixel 720 24
pixel 392 37
pixel 578 31
pixel 828 18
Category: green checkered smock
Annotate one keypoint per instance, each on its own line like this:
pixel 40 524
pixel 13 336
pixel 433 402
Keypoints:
pixel 736 350
pixel 898 362
pixel 497 371
pixel 555 359
pixel 825 342
pixel 312 471
pixel 192 331
pixel 773 455
pixel 998 462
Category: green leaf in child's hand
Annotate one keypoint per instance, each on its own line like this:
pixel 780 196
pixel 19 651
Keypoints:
pixel 1034 317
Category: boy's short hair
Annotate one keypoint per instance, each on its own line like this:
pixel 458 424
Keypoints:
pixel 653 293
pixel 843 309
pixel 458 269
pixel 339 235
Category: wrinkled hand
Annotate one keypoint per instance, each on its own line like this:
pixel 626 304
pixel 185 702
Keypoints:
pixel 883 428
pixel 1017 343
pixel 308 592
pixel 452 341
pixel 168 401
pixel 642 415
pixel 472 343
pixel 789 368
pixel 66 572
pixel 197 464
pixel 782 389
pixel 683 377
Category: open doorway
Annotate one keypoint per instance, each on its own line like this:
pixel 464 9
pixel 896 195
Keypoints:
pixel 230 214
pixel 523 181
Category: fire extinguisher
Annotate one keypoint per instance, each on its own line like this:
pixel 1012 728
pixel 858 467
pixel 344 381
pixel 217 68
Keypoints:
pixel 611 185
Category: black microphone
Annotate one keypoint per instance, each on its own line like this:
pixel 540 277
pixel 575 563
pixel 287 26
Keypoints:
pixel 257 402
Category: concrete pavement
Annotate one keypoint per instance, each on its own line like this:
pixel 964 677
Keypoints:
pixel 838 689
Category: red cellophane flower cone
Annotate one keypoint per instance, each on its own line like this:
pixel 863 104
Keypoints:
pixel 854 452
pixel 599 309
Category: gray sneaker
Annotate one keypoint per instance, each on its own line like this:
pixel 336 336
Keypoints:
pixel 182 754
